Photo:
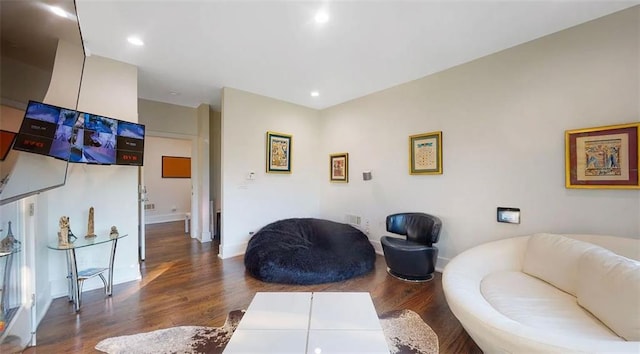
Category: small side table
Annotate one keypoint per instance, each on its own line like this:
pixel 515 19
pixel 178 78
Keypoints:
pixel 77 277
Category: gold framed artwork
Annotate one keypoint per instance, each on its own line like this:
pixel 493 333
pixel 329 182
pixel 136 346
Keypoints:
pixel 176 167
pixel 603 157
pixel 278 152
pixel 425 153
pixel 339 167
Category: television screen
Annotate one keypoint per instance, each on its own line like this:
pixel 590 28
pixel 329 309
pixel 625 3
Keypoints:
pixel 77 140
pixel 61 145
pixel 130 144
pixel 100 139
pixel 44 129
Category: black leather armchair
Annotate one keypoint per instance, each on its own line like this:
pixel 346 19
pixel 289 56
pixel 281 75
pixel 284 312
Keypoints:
pixel 414 257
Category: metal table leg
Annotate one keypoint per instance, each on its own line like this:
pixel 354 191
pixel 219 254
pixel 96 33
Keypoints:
pixel 73 267
pixel 5 283
pixel 114 244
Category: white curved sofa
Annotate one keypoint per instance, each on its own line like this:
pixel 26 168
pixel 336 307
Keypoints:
pixel 502 293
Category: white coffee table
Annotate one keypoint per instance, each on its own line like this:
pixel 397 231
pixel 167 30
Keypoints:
pixel 314 323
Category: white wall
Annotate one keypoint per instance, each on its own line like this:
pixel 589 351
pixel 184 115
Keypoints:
pixel 166 194
pixel 200 204
pixel 249 205
pixel 109 88
pixel 172 121
pixel 503 119
pixel 168 118
pixel 22 82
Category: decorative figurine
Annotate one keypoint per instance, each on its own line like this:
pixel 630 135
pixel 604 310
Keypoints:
pixel 114 232
pixel 9 243
pixel 90 226
pixel 65 235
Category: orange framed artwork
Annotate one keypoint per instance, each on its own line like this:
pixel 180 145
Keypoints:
pixel 176 167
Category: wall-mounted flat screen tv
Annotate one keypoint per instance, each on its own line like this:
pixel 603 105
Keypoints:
pixel 79 137
pixel 46 130
pixel 130 146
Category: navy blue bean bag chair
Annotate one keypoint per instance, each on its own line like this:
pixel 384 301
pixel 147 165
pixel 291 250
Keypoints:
pixel 308 251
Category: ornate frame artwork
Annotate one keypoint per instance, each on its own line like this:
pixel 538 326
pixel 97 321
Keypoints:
pixel 339 167
pixel 603 157
pixel 278 152
pixel 425 153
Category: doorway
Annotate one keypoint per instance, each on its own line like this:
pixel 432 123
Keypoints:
pixel 164 198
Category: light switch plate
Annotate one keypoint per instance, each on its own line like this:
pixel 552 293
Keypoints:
pixel 509 215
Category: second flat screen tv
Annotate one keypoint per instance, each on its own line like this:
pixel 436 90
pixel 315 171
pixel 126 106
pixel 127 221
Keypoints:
pixel 130 149
pixel 106 141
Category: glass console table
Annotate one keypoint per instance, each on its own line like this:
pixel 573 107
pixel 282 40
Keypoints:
pixel 75 276
pixel 7 256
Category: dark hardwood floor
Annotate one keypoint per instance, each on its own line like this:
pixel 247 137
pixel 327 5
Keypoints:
pixel 185 283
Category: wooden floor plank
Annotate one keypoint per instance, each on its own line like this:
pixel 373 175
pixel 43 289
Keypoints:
pixel 185 283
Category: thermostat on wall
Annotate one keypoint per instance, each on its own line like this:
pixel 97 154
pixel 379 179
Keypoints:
pixel 509 215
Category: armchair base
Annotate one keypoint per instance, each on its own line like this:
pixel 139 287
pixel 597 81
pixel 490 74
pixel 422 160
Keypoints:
pixel 419 279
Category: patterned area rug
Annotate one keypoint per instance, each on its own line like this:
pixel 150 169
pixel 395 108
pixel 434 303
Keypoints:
pixel 406 333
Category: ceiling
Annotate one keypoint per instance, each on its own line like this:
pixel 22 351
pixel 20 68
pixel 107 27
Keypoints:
pixel 35 45
pixel 275 48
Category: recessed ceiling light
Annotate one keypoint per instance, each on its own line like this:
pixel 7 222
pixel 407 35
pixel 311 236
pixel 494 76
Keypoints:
pixel 322 17
pixel 58 11
pixel 315 93
pixel 135 41
pixel 174 93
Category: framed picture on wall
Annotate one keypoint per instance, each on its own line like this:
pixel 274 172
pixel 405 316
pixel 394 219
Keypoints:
pixel 339 167
pixel 603 157
pixel 176 167
pixel 425 153
pixel 278 152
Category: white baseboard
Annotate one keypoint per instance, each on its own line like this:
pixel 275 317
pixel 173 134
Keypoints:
pixel 377 246
pixel 156 219
pixel 228 251
pixel 205 236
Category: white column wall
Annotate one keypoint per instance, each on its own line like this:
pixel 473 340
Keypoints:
pixel 109 88
pixel 247 205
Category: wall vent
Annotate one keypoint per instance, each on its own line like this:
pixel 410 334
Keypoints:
pixel 149 206
pixel 352 219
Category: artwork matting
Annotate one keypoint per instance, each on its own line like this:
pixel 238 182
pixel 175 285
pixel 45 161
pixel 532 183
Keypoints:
pixel 425 153
pixel 278 152
pixel 339 167
pixel 603 157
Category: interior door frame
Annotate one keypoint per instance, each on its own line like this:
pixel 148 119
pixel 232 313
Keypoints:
pixel 195 170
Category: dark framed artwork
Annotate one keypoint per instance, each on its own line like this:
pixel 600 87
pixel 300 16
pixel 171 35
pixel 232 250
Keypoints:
pixel 278 152
pixel 339 167
pixel 602 157
pixel 425 153
pixel 176 167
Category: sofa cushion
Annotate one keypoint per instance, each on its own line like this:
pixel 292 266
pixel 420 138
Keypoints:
pixel 534 303
pixel 554 259
pixel 609 287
